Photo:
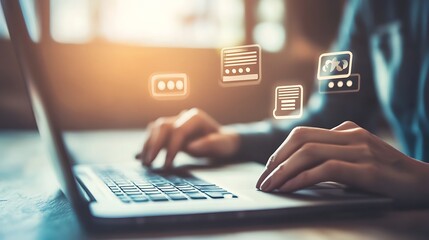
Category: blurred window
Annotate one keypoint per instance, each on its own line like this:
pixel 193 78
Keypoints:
pixel 269 31
pixel 184 23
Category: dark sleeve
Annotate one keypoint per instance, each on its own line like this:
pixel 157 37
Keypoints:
pixel 260 139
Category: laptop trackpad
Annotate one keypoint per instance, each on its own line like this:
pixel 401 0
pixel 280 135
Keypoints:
pixel 328 191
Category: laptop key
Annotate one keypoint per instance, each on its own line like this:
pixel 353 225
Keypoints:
pixel 140 199
pixel 213 190
pixel 186 188
pixel 144 185
pixel 174 193
pixel 215 194
pixel 126 185
pixel 191 191
pixel 169 190
pixel 220 195
pixel 196 195
pixel 153 193
pixel 131 190
pixel 125 199
pixel 134 193
pixel 177 197
pixel 157 198
pixel 148 188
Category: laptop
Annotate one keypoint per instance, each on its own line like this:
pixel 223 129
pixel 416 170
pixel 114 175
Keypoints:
pixel 109 195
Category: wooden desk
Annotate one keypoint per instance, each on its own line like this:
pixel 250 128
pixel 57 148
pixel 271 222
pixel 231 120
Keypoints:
pixel 32 207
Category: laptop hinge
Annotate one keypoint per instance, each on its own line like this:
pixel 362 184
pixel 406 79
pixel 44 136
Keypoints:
pixel 84 191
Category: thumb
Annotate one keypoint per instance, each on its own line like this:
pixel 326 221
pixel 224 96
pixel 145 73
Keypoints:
pixel 212 145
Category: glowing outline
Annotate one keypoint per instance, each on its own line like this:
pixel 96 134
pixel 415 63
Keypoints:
pixel 291 116
pixel 335 76
pixel 242 82
pixel 167 96
pixel 341 91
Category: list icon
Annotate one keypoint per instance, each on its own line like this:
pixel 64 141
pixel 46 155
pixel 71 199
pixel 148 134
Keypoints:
pixel 288 102
pixel 169 86
pixel 241 65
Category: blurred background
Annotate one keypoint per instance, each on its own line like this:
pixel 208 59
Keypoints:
pixel 100 54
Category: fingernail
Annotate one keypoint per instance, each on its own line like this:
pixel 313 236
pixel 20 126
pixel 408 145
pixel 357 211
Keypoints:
pixel 265 185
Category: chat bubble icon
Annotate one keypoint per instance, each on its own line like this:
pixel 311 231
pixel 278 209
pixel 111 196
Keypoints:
pixel 288 102
pixel 169 86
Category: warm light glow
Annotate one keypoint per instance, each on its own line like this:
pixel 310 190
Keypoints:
pixel 270 32
pixel 188 23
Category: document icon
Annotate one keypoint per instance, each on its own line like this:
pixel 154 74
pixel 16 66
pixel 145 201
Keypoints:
pixel 288 102
pixel 241 65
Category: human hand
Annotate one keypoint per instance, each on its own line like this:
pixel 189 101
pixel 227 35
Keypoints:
pixel 192 131
pixel 347 154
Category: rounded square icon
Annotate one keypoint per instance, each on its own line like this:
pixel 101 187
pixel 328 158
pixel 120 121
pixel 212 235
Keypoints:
pixel 169 86
pixel 340 85
pixel 241 65
pixel 335 65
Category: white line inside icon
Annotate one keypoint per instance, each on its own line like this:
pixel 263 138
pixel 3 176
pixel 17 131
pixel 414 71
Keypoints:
pixel 241 65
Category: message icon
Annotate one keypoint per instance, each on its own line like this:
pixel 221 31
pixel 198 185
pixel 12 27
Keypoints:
pixel 288 102
pixel 340 85
pixel 169 86
pixel 241 65
pixel 335 65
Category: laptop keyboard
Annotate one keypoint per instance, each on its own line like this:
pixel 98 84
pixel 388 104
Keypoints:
pixel 151 186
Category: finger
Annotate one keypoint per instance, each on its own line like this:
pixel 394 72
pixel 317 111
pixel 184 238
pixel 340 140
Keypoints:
pixel 302 135
pixel 157 141
pixel 188 125
pixel 297 136
pixel 207 146
pixel 141 155
pixel 309 156
pixel 265 173
pixel 351 174
pixel 346 125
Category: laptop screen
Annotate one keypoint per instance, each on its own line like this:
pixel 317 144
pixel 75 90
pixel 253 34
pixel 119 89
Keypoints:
pixel 24 37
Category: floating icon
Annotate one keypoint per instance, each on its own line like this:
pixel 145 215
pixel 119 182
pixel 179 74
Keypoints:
pixel 340 85
pixel 335 65
pixel 169 86
pixel 288 102
pixel 241 65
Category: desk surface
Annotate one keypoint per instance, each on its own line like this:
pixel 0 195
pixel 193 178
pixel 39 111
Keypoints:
pixel 32 207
